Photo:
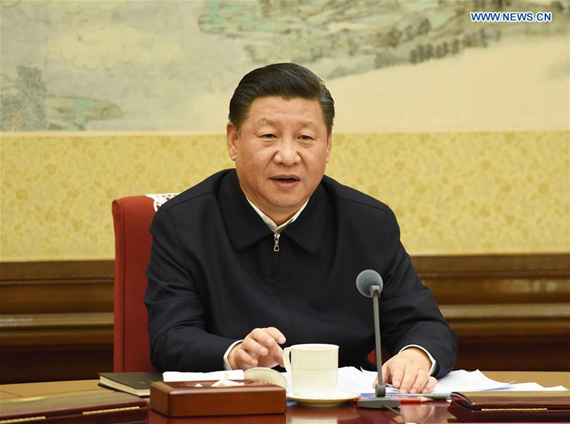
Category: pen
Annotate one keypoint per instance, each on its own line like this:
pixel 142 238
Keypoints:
pixel 401 397
pixel 411 399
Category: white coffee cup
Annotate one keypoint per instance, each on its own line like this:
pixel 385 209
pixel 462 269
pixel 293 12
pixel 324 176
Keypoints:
pixel 313 369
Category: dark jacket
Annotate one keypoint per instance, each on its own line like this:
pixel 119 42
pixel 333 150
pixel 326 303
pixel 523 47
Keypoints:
pixel 214 276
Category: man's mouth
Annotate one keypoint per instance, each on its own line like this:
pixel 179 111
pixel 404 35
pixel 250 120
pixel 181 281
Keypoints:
pixel 286 178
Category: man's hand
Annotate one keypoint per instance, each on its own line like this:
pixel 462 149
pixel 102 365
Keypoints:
pixel 260 348
pixel 408 371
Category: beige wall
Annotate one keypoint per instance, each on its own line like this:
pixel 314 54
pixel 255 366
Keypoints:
pixel 454 193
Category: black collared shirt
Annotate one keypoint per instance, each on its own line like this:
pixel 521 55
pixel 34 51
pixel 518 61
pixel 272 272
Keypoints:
pixel 214 276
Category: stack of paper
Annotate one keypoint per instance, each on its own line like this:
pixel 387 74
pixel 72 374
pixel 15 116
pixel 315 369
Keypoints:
pixel 350 378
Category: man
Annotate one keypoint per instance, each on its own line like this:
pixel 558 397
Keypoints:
pixel 266 255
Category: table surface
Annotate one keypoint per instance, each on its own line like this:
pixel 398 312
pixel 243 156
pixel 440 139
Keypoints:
pixel 429 412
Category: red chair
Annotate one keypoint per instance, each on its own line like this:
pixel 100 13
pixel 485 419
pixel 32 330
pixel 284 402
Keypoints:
pixel 132 217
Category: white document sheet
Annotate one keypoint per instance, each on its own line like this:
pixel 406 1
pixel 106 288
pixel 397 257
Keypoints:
pixel 467 381
pixel 170 376
pixel 350 378
pixel 533 387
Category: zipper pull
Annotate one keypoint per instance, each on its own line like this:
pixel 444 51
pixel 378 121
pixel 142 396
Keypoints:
pixel 276 239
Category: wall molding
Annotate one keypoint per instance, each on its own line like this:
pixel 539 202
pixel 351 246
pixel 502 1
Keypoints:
pixel 497 305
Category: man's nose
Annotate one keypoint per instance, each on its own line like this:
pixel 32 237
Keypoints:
pixel 287 153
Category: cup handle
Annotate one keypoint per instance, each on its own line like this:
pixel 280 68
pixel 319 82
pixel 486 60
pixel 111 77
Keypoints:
pixel 286 360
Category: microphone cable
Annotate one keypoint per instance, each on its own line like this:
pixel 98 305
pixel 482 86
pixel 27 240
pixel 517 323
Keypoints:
pixel 397 413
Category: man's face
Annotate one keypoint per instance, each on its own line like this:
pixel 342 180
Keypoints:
pixel 280 154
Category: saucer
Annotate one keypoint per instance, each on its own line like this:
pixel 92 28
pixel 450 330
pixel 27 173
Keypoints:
pixel 334 399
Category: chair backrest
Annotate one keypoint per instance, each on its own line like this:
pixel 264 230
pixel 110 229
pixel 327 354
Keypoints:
pixel 132 217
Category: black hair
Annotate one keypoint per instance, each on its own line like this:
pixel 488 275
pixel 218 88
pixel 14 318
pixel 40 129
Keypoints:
pixel 287 80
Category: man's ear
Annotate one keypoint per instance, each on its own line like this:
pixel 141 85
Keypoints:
pixel 329 146
pixel 232 138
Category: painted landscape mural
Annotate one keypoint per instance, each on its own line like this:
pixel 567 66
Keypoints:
pixel 172 65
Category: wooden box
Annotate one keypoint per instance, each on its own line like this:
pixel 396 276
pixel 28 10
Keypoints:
pixel 199 398
pixel 502 406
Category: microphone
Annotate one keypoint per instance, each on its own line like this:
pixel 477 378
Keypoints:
pixel 367 281
pixel 370 284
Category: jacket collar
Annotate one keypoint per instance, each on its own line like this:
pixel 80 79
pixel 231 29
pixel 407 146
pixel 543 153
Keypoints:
pixel 245 227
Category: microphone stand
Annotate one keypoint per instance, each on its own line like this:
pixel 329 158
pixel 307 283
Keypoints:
pixel 380 401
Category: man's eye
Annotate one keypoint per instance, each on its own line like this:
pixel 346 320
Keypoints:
pixel 305 137
pixel 268 136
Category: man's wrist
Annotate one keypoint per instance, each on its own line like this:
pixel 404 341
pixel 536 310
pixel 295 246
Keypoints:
pixel 227 365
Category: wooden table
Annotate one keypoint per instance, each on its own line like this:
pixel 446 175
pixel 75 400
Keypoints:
pixel 430 412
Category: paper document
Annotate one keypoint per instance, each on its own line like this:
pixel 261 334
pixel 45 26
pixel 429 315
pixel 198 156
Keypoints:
pixel 467 381
pixel 533 387
pixel 170 376
pixel 350 378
